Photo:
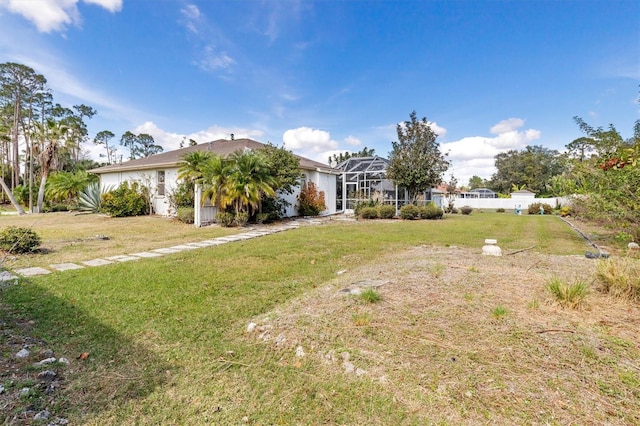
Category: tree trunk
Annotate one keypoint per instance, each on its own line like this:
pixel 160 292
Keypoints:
pixel 13 200
pixel 43 183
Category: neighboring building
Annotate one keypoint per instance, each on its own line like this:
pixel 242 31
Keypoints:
pixel 479 193
pixel 523 194
pixel 159 173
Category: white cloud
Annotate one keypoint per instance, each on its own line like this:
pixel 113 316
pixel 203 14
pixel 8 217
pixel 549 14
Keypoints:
pixel 507 125
pixel 54 15
pixel 474 155
pixel 353 141
pixel 212 59
pixel 310 143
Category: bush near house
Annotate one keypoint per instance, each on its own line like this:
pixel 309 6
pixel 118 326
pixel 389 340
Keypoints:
pixel 369 213
pixel 535 208
pixel 409 212
pixel 126 200
pixel 186 214
pixel 310 200
pixel 431 212
pixel 386 211
pixel 466 210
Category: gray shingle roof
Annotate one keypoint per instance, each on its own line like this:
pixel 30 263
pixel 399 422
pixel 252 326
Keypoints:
pixel 222 147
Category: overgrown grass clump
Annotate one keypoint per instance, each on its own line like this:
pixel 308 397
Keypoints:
pixel 620 277
pixel 568 295
pixel 370 295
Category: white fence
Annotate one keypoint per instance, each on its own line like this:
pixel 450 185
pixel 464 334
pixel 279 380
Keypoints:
pixel 508 203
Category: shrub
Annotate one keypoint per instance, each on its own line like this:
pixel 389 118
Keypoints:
pixel 89 200
pixel 535 208
pixel 357 209
pixel 126 200
pixel 619 277
pixel 262 218
pixel 500 210
pixel 183 195
pixel 185 214
pixel 224 219
pixel 19 240
pixel 453 210
pixel 568 295
pixel 565 211
pixel 386 211
pixel 310 200
pixel 431 211
pixel 466 210
pixel 369 213
pixel 241 218
pixel 409 212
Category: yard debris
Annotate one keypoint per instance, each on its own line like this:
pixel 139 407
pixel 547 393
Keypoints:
pixel 83 355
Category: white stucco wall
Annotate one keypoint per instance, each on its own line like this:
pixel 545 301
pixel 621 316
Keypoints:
pixel 324 182
pixel 147 178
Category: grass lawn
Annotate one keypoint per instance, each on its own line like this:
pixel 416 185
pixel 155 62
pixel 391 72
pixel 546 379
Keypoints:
pixel 167 339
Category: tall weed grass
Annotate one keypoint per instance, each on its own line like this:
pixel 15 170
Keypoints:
pixel 568 295
pixel 620 277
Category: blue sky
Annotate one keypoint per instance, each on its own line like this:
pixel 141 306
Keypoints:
pixel 330 76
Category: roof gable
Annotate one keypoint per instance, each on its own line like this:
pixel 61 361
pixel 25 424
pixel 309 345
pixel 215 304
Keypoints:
pixel 222 147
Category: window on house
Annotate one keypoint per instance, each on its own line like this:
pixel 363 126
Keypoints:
pixel 160 180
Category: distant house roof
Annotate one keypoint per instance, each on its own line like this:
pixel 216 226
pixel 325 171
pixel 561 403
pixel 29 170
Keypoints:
pixel 222 147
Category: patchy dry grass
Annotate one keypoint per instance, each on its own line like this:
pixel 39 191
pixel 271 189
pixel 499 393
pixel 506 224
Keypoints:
pixel 439 352
pixel 169 343
pixel 73 237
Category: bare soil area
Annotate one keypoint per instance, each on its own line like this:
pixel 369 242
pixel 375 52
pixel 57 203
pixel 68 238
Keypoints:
pixel 462 338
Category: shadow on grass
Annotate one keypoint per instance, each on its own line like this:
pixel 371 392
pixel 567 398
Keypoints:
pixel 106 369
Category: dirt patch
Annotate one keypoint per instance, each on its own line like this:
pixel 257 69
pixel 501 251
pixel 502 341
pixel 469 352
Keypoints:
pixel 459 337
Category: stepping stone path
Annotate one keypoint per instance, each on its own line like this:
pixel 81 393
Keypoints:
pixel 6 276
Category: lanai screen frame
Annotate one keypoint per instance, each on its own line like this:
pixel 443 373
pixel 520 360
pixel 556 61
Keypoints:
pixel 364 176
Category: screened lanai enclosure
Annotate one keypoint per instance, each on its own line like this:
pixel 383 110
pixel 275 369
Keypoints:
pixel 365 178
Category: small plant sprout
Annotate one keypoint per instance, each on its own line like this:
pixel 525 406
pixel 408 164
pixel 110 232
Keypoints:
pixel 568 295
pixel 437 270
pixel 499 311
pixel 361 319
pixel 370 295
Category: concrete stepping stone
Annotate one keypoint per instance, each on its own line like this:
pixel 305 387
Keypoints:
pixel 122 258
pixel 30 272
pixel 198 245
pixel 166 250
pixel 146 254
pixel 65 266
pixel 214 242
pixel 183 247
pixel 7 276
pixel 97 262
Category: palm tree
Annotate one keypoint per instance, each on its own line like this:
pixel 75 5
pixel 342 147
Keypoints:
pixel 250 178
pixel 191 167
pixel 66 186
pixel 54 133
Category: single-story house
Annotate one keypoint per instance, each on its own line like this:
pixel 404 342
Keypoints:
pixel 159 173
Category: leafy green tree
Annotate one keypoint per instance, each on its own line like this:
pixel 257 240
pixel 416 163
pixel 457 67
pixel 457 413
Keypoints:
pixel 140 146
pixel 610 180
pixel 102 138
pixel 477 182
pixel 416 162
pixel 532 167
pixel 344 156
pixel 284 166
